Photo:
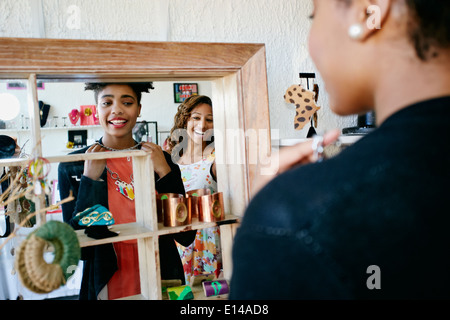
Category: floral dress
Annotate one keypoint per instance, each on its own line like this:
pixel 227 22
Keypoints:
pixel 203 255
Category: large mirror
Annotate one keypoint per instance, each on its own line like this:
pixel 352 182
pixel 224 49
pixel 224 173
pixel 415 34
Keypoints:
pixel 237 73
pixel 233 75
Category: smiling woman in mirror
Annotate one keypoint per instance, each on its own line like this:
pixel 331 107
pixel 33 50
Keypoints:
pixel 192 142
pixel 192 148
pixel 112 271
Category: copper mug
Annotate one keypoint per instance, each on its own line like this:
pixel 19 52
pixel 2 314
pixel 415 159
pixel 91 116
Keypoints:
pixel 175 212
pixel 211 208
pixel 159 207
pixel 193 200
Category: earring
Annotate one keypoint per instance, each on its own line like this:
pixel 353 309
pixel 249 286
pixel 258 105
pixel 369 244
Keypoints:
pixel 356 31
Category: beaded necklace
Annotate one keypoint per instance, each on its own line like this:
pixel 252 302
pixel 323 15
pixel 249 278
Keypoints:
pixel 112 149
pixel 124 188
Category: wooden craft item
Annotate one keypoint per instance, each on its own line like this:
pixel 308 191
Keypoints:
pixel 193 199
pixel 215 288
pixel 180 293
pixel 34 272
pixel 175 212
pixel 211 208
pixel 304 102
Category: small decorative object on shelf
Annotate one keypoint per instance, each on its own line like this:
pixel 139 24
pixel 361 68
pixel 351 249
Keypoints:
pixel 87 115
pixel 97 215
pixel 193 199
pixel 180 293
pixel 211 208
pixel 74 116
pixel 159 203
pixel 44 110
pixel 215 288
pixel 175 212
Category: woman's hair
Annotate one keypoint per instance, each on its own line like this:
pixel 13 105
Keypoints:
pixel 137 87
pixel 183 114
pixel 429 26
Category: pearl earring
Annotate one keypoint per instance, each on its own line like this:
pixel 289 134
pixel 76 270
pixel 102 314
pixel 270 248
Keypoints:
pixel 356 31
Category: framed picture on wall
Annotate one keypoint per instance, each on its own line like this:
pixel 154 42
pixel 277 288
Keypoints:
pixel 182 91
pixel 146 131
pixel 78 138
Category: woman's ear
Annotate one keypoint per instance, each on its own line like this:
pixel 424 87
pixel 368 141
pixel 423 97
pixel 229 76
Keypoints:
pixel 367 17
pixel 139 109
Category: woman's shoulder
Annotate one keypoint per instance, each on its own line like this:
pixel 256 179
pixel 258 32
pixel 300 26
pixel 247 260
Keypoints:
pixel 169 160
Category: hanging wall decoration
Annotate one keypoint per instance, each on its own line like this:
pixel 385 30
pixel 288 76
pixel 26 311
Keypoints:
pixel 182 91
pixel 304 101
pixel 34 272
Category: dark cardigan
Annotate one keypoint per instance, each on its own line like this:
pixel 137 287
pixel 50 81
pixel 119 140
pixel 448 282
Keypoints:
pixel 320 231
pixel 100 261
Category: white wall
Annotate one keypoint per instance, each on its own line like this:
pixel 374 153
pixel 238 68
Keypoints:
pixel 281 25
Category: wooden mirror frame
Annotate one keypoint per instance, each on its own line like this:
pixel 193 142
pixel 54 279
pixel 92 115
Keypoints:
pixel 237 71
pixel 239 94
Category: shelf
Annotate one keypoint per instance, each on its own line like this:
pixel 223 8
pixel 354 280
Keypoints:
pixel 344 139
pixel 195 225
pixel 53 128
pixel 127 231
pixel 130 231
pixel 14 162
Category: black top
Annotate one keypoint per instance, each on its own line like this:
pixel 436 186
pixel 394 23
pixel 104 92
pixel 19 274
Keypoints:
pixel 317 231
pixel 70 176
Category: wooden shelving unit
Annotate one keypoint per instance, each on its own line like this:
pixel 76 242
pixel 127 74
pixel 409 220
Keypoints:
pixel 240 102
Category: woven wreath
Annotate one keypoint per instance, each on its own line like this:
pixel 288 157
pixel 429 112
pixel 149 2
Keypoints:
pixel 34 272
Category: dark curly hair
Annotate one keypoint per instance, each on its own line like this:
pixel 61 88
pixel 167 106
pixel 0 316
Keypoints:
pixel 137 87
pixel 183 114
pixel 429 26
